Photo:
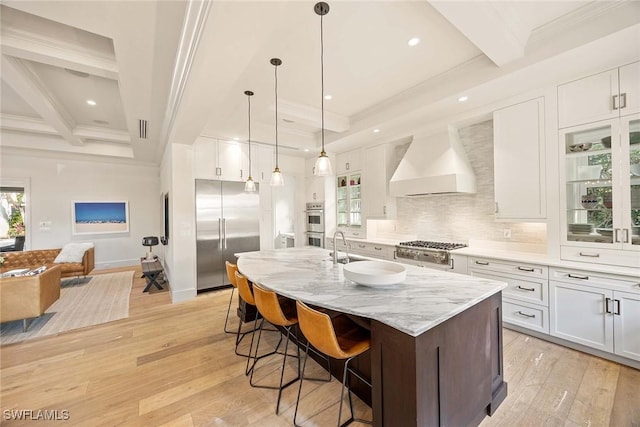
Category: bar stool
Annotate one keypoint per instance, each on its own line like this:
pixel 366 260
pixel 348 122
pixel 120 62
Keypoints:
pixel 278 314
pixel 231 275
pixel 247 296
pixel 339 338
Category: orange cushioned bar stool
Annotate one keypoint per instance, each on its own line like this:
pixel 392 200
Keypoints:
pixel 231 275
pixel 339 338
pixel 247 296
pixel 278 313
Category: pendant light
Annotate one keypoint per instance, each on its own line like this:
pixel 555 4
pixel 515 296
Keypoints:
pixel 276 177
pixel 249 186
pixel 323 164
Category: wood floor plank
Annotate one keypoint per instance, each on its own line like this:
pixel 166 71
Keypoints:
pixel 172 364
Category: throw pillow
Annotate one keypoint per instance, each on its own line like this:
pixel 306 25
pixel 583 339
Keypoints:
pixel 72 252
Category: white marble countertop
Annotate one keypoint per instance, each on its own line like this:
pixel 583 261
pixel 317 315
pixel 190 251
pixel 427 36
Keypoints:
pixel 425 299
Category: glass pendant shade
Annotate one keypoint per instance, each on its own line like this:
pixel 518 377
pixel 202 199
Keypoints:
pixel 323 165
pixel 277 180
pixel 250 185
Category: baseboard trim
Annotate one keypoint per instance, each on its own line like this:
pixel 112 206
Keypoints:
pixel 182 295
pixel 117 263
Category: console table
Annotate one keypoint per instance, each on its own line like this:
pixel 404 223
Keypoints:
pixel 151 270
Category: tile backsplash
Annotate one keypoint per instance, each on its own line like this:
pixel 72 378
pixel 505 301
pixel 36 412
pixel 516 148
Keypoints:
pixel 461 217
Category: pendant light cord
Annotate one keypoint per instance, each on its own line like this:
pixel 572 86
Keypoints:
pixel 249 99
pixel 322 78
pixel 276 85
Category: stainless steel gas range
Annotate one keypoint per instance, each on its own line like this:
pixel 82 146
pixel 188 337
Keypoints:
pixel 427 254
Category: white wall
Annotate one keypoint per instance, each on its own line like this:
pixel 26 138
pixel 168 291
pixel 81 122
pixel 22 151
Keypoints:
pixel 56 182
pixel 181 250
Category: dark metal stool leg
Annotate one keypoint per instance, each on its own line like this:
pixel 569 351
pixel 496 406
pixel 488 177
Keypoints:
pixel 228 311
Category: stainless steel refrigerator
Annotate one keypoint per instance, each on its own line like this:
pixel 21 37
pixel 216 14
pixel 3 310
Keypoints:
pixel 227 222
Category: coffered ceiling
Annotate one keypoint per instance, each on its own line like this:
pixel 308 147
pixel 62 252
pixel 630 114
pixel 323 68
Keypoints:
pixel 181 67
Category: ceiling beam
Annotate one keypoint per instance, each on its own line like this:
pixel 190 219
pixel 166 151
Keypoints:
pixel 17 74
pixel 492 28
pixel 36 48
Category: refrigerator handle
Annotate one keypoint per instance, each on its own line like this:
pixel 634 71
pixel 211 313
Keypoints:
pixel 219 233
pixel 224 229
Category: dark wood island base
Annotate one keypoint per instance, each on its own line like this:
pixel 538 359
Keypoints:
pixel 451 375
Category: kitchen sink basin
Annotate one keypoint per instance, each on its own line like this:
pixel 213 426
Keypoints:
pixel 343 260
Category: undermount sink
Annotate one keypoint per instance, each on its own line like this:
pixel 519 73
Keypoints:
pixel 347 260
pixel 375 273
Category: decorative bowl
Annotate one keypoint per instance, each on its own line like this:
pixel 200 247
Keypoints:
pixel 375 273
pixel 589 201
pixel 585 146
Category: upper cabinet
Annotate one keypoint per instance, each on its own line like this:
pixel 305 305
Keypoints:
pixel 601 194
pixel 603 96
pixel 349 162
pixel 262 162
pixel 380 163
pixel 219 159
pixel 519 162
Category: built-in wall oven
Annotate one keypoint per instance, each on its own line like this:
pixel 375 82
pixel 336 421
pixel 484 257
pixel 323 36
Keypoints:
pixel 315 224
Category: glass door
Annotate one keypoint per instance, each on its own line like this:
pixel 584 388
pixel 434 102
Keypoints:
pixel 591 202
pixel 630 133
pixel 342 201
pixel 355 213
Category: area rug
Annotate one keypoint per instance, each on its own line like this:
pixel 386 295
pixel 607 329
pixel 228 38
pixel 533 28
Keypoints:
pixel 83 302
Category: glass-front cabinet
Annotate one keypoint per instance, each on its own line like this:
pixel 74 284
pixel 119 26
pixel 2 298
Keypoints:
pixel 348 201
pixel 602 190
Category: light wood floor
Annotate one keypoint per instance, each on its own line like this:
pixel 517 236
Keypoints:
pixel 171 365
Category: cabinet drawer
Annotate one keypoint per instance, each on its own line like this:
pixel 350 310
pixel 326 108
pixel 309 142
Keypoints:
pixel 600 256
pixel 525 289
pixel 372 250
pixel 521 268
pixel 525 315
pixel 581 277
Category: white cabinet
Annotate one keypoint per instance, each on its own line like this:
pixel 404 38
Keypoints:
pixel 595 310
pixel 218 159
pixel 606 95
pixel 458 263
pixel 373 250
pixel 349 161
pixel 314 185
pixel 600 194
pixel 626 324
pixel 378 169
pixel 262 163
pixel 525 300
pixel 519 162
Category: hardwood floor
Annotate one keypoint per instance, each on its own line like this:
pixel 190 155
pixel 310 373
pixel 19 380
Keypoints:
pixel 171 365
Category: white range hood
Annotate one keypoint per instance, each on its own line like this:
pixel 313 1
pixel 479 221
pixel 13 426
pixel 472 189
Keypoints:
pixel 434 164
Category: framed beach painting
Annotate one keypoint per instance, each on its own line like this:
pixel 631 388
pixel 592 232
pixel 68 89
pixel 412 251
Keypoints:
pixel 100 217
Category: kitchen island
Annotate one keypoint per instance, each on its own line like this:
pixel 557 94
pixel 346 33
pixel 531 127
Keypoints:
pixel 436 338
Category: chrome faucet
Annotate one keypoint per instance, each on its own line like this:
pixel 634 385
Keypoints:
pixel 335 251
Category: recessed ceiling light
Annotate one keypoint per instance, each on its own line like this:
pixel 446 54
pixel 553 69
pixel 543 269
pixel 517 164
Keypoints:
pixel 376 130
pixel 414 41
pixel 235 138
pixel 463 98
pixel 91 102
pixel 306 150
pixel 328 97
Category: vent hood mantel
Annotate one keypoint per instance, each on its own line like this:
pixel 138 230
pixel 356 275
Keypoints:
pixel 434 164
